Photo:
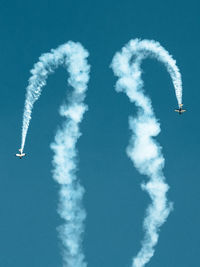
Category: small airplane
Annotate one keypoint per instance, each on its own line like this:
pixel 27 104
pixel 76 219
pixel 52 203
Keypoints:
pixel 180 110
pixel 21 154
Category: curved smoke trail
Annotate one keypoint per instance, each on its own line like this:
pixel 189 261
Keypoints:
pixel 74 58
pixel 143 150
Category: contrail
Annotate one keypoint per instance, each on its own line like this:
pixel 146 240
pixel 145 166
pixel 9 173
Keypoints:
pixel 74 58
pixel 143 150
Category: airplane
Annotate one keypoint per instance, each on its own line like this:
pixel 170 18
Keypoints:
pixel 21 155
pixel 180 110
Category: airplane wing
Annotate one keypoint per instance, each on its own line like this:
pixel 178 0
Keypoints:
pixel 177 110
pixel 17 155
pixel 183 110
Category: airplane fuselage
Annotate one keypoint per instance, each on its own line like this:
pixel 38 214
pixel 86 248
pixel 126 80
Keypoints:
pixel 180 110
pixel 21 154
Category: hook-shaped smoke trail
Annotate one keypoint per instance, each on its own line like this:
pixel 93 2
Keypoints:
pixel 74 58
pixel 143 150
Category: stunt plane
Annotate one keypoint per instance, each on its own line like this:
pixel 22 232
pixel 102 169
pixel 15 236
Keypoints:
pixel 21 154
pixel 180 110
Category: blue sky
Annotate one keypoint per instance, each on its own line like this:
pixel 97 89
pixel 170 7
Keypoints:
pixel 114 201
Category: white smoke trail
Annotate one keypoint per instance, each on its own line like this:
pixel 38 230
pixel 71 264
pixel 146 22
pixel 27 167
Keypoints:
pixel 143 150
pixel 73 57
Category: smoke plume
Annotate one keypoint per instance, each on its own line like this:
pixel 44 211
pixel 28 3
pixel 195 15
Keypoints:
pixel 74 58
pixel 143 149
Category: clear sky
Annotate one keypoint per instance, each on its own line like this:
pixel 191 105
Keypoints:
pixel 114 201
